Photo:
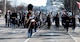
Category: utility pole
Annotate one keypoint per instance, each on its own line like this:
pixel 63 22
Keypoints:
pixel 15 5
pixel 15 1
pixel 72 6
pixel 4 9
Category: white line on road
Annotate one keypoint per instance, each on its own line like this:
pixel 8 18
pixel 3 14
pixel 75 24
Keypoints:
pixel 27 40
pixel 73 37
pixel 30 38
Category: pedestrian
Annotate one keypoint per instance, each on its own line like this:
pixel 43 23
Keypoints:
pixel 29 15
pixel 73 22
pixel 48 20
pixel 66 21
pixel 34 24
pixel 36 19
pixel 30 29
pixel 39 21
pixel 63 19
pixel 23 18
pixel 7 19
pixel 18 19
pixel 57 21
pixel 53 18
pixel 27 20
pixel 13 19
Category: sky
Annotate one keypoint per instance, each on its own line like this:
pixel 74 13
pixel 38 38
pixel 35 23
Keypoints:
pixel 34 2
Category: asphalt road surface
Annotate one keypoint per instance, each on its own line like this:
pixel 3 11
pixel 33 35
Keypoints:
pixel 42 35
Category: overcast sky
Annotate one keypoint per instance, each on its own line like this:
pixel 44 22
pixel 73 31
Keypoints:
pixel 34 2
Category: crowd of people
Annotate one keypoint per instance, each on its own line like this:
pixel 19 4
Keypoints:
pixel 21 19
pixel 33 21
pixel 16 19
pixel 68 21
pixel 30 20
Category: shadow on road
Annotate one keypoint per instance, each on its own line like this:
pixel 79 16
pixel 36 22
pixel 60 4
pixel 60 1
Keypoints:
pixel 14 38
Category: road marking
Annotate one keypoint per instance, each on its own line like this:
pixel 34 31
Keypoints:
pixel 73 37
pixel 30 38
pixel 27 40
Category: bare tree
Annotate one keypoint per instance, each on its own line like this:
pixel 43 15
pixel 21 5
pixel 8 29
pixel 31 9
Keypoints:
pixel 8 6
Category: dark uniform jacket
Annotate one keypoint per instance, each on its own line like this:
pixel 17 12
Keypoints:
pixel 13 18
pixel 48 21
pixel 66 21
pixel 57 21
pixel 73 22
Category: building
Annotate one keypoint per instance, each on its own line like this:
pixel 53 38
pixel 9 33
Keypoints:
pixel 54 6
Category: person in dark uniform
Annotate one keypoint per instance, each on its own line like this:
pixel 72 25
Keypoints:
pixel 57 21
pixel 20 18
pixel 73 22
pixel 53 18
pixel 7 18
pixel 48 21
pixel 23 18
pixel 63 19
pixel 13 19
pixel 66 21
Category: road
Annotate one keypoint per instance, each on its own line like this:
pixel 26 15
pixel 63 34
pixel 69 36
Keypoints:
pixel 42 35
pixel 52 35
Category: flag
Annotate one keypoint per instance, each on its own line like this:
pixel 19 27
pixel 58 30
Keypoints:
pixel 78 4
